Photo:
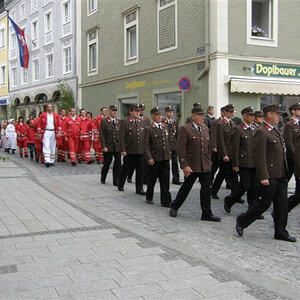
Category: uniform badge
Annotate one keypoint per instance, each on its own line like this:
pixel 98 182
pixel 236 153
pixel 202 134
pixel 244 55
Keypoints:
pixel 268 127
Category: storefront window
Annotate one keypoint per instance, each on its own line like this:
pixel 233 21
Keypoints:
pixel 173 99
pixel 284 101
pixel 125 105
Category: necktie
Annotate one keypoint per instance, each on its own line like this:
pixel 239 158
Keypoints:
pixel 135 122
pixel 199 129
pixel 159 126
pixel 230 124
pixel 113 121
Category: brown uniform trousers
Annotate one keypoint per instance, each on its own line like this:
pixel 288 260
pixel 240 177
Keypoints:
pixel 158 148
pixel 271 164
pixel 110 138
pixel 242 156
pixel 132 141
pixel 224 132
pixel 146 122
pixel 194 151
pixel 172 126
pixel 291 136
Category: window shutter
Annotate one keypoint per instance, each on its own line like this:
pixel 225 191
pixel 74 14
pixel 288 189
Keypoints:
pixel 167 27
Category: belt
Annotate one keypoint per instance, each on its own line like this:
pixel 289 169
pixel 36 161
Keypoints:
pixel 50 129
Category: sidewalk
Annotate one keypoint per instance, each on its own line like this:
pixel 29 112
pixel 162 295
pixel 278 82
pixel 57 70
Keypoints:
pixel 65 236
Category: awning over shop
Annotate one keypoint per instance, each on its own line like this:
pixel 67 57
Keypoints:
pixel 264 86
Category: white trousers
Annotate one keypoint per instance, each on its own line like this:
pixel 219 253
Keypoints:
pixel 49 146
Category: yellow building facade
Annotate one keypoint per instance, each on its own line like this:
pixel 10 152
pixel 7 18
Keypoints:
pixel 4 90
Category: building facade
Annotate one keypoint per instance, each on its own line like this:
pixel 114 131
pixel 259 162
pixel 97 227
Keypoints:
pixel 230 51
pixel 4 92
pixel 50 31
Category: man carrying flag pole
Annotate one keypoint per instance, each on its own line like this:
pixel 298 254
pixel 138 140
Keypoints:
pixel 23 48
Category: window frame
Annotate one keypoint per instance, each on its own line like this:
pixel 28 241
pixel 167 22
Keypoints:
pixel 49 12
pixel 63 4
pixel 2 29
pixel 135 59
pixel 24 16
pixel 23 77
pixel 176 26
pixel 271 41
pixel 33 70
pixel 14 77
pixel 90 12
pixel 47 69
pixel 92 72
pixel 3 78
pixel 64 59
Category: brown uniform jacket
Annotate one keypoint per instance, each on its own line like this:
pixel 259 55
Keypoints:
pixel 269 153
pixel 194 148
pixel 297 156
pixel 173 132
pixel 213 133
pixel 291 132
pixel 224 132
pixel 146 121
pixel 132 136
pixel 110 134
pixel 242 153
pixel 157 143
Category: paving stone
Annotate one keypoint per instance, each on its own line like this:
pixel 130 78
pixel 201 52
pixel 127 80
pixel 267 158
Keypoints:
pixel 188 294
pixel 137 290
pixel 45 293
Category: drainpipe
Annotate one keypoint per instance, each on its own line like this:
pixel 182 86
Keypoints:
pixel 207 41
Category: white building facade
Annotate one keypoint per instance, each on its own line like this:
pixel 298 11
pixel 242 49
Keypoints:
pixel 50 30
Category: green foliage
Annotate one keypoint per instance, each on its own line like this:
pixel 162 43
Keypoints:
pixel 66 96
pixel 2 158
pixel 11 111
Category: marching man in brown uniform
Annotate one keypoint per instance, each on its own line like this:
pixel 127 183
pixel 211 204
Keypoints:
pixel 243 161
pixel 110 141
pixel 271 171
pixel 132 143
pixel 291 134
pixel 172 127
pixel 223 137
pixel 158 154
pixel 195 160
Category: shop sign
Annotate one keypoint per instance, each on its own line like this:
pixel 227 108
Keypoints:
pixel 273 70
pixel 3 101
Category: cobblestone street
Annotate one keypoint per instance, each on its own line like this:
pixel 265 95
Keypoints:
pixel 63 235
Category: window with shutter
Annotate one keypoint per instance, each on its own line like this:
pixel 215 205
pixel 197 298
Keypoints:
pixel 167 25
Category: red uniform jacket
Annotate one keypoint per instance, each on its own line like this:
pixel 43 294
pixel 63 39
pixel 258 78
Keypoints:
pixel 72 127
pixel 57 124
pixel 86 127
pixel 31 132
pixel 63 120
pixel 37 130
pixel 95 131
pixel 22 131
pixel 98 120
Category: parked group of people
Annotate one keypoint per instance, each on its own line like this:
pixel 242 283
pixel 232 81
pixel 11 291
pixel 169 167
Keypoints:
pixel 250 154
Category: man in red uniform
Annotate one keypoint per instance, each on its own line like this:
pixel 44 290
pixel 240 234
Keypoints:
pixel 31 137
pixel 62 144
pixel 22 135
pixel 72 134
pixel 38 144
pixel 51 130
pixel 85 138
pixel 103 114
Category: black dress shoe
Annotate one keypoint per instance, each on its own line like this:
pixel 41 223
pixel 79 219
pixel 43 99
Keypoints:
pixel 73 163
pixel 79 161
pixel 239 229
pixel 120 188
pixel 58 160
pixel 241 201
pixel 115 184
pixel 98 162
pixel 211 218
pixel 286 238
pixel 141 193
pixel 177 182
pixel 261 217
pixel 129 180
pixel 90 162
pixel 173 212
pixel 166 205
pixel 102 181
pixel 47 165
pixel 228 187
pixel 149 201
pixel 63 160
pixel 215 196
pixel 227 207
pixel 52 164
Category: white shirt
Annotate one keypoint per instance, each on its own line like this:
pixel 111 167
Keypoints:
pixel 269 125
pixel 73 118
pixel 228 120
pixel 169 120
pixel 297 120
pixel 248 126
pixel 197 126
pixel 158 125
pixel 50 121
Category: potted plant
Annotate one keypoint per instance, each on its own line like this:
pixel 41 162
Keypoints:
pixel 257 31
